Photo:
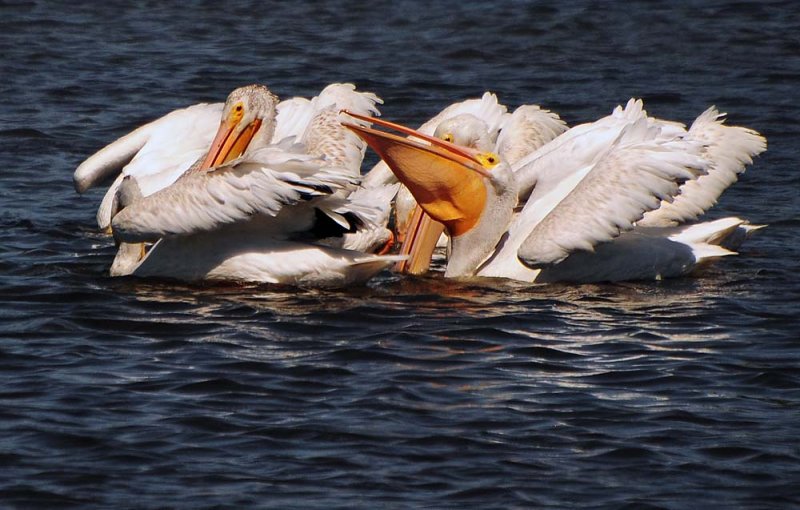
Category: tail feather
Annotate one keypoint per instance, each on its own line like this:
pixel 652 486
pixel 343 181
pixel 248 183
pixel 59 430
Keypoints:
pixel 704 252
pixel 726 233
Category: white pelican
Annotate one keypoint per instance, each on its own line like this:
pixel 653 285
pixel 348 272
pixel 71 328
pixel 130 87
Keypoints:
pixel 159 152
pixel 517 135
pixel 251 210
pixel 487 108
pixel 583 194
pixel 481 123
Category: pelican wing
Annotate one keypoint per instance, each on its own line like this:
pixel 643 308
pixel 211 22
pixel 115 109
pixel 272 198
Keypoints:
pixel 729 150
pixel 327 138
pixel 487 108
pixel 554 162
pixel 345 97
pixel 173 141
pixel 630 179
pixel 317 124
pixel 293 117
pixel 372 206
pixel 296 115
pixel 527 129
pixel 156 154
pixel 266 182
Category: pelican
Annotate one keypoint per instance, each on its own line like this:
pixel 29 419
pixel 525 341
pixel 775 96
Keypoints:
pixel 481 123
pixel 518 134
pixel 604 201
pixel 250 210
pixel 487 108
pixel 159 152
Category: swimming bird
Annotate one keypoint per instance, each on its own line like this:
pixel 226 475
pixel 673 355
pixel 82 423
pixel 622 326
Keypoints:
pixel 487 108
pixel 251 210
pixel 575 209
pixel 159 152
pixel 514 136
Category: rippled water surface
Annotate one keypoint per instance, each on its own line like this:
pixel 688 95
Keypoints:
pixel 409 392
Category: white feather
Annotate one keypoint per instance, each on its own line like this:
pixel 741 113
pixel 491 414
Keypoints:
pixel 729 149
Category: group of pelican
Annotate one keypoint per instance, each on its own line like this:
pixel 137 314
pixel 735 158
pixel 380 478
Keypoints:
pixel 269 191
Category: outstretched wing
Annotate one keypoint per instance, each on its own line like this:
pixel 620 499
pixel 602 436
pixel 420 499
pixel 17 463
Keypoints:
pixel 156 154
pixel 292 118
pixel 729 149
pixel 487 108
pixel 327 137
pixel 266 182
pixel 556 161
pixel 631 178
pixel 316 123
pixel 150 149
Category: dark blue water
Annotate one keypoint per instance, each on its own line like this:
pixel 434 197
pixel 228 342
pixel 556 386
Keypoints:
pixel 409 392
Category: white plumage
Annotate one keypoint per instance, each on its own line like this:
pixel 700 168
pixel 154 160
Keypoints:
pixel 262 216
pixel 585 198
pixel 483 124
pixel 729 149
pixel 156 154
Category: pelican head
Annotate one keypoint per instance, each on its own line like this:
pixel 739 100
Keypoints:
pixel 456 186
pixel 465 130
pixel 248 120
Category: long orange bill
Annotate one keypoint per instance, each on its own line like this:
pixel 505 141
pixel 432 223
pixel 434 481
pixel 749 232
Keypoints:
pixel 421 235
pixel 445 179
pixel 454 149
pixel 228 145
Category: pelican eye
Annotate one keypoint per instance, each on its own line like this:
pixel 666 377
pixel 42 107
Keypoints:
pixel 488 159
pixel 449 138
pixel 238 111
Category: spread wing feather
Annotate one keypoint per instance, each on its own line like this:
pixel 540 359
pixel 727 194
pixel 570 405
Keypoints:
pixel 729 149
pixel 325 136
pixel 162 145
pixel 266 182
pixel 487 108
pixel 293 116
pixel 572 150
pixel 631 178
pixel 527 129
